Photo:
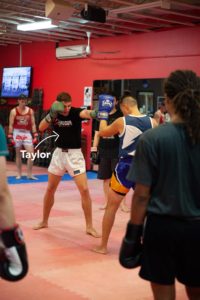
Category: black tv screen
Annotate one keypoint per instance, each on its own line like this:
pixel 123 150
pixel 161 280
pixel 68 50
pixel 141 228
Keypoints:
pixel 16 81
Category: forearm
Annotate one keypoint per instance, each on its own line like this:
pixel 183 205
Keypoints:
pixel 11 122
pixel 10 129
pixel 43 125
pixel 7 218
pixel 96 139
pixel 34 128
pixel 139 204
pixel 103 125
pixel 88 114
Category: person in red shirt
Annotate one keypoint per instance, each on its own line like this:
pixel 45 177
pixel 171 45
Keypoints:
pixel 159 115
pixel 22 133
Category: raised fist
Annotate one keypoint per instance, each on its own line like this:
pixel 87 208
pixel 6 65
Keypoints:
pixel 106 103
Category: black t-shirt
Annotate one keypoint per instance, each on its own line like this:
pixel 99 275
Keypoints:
pixel 167 161
pixel 69 129
pixel 110 143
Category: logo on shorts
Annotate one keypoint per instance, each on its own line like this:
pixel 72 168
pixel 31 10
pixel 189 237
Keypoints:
pixel 76 172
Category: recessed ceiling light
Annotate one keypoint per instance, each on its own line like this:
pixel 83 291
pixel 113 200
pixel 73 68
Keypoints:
pixel 36 26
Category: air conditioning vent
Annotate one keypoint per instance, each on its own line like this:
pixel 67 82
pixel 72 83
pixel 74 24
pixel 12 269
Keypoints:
pixel 67 52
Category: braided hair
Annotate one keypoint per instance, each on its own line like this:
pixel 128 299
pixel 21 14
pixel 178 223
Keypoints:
pixel 182 87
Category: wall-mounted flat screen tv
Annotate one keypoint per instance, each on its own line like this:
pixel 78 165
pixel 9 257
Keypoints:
pixel 16 81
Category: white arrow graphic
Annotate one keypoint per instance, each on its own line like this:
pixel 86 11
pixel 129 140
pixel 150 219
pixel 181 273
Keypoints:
pixel 55 134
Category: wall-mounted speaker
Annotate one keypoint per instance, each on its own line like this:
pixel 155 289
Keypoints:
pixel 58 10
pixel 94 13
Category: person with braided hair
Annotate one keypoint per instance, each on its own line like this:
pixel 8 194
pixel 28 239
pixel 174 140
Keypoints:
pixel 166 171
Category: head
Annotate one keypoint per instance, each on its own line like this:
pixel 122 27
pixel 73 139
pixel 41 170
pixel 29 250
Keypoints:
pixel 128 104
pixel 111 93
pixel 66 99
pixel 127 93
pixel 22 100
pixel 182 98
pixel 162 108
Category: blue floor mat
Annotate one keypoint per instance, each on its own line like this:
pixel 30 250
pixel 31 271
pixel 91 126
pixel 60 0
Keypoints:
pixel 44 178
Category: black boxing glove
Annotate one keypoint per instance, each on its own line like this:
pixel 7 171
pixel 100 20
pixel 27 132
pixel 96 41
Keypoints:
pixel 131 248
pixel 94 155
pixel 13 255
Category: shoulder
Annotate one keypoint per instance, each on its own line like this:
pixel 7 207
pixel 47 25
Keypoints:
pixel 13 111
pixel 76 110
pixel 159 133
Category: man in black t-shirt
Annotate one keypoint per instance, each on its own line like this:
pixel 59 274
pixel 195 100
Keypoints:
pixel 66 122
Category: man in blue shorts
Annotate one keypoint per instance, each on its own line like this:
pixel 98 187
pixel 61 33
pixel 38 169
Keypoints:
pixel 108 149
pixel 129 128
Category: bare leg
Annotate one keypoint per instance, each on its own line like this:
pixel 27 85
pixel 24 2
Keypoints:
pixel 7 216
pixel 29 149
pixel 123 205
pixel 114 201
pixel 18 162
pixel 193 293
pixel 163 292
pixel 48 201
pixel 106 183
pixel 81 183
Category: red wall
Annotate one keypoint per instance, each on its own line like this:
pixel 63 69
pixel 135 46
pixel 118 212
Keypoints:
pixel 148 55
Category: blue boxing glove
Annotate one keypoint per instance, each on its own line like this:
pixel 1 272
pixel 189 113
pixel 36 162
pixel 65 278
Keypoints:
pixel 13 256
pixel 131 248
pixel 106 103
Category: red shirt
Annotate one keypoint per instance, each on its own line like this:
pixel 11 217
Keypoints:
pixel 22 121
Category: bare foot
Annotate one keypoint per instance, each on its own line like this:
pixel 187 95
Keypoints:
pixel 93 232
pixel 125 208
pixel 40 226
pixel 100 250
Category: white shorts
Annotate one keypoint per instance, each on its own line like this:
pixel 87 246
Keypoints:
pixel 70 160
pixel 22 137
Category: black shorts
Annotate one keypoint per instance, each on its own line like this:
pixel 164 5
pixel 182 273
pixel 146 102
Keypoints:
pixel 106 167
pixel 171 251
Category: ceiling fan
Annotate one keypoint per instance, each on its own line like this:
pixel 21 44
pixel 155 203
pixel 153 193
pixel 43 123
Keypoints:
pixel 88 47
